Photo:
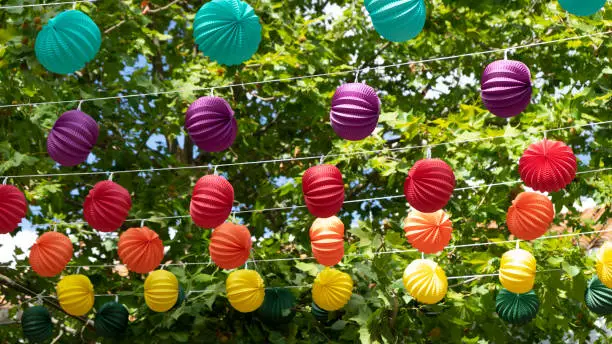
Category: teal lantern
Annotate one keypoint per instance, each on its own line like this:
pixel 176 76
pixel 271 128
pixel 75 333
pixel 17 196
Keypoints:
pixel 278 306
pixel 36 324
pixel 582 7
pixel 68 42
pixel 227 31
pixel 111 320
pixel 397 20
pixel 319 313
pixel 598 297
pixel 517 308
pixel 181 297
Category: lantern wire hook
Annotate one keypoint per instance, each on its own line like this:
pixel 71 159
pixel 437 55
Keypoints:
pixel 517 244
pixel 357 75
pixel 142 222
pixel 4 181
pixel 212 91
pixel 116 297
pixel 422 255
pixel 428 152
pixel 80 103
pixel 322 159
pixel 55 227
pixel 110 176
pixel 505 54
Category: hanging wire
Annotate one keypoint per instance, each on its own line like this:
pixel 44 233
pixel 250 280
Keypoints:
pixel 47 4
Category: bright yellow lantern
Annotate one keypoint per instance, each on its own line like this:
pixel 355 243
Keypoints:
pixel 75 294
pixel 332 289
pixel 517 271
pixel 425 281
pixel 245 290
pixel 161 290
pixel 604 264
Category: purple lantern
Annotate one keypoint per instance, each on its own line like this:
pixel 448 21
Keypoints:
pixel 73 136
pixel 354 112
pixel 506 87
pixel 211 124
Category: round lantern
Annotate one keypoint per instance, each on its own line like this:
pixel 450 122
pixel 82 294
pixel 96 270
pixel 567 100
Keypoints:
pixel 36 324
pixel 604 264
pixel 354 111
pixel 517 271
pixel 428 232
pixel 107 206
pixel 397 20
pixel 13 208
pixel 161 290
pixel 278 306
pixel 212 201
pixel 506 88
pixel 319 313
pixel 548 166
pixel 323 190
pixel 227 31
pixel 50 254
pixel 327 240
pixel 111 320
pixel 245 290
pixel 582 7
pixel 598 297
pixel 75 294
pixel 140 249
pixel 332 289
pixel 230 245
pixel 72 138
pixel 429 185
pixel 530 215
pixel 211 124
pixel 425 281
pixel 68 42
pixel 181 297
pixel 516 308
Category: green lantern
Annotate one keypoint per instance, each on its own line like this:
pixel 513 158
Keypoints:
pixel 278 306
pixel 598 297
pixel 111 320
pixel 319 313
pixel 36 324
pixel 517 308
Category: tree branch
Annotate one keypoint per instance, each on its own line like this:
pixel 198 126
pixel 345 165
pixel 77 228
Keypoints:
pixel 163 7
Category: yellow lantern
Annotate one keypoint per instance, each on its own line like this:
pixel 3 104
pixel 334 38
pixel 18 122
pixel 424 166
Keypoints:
pixel 75 294
pixel 332 289
pixel 604 264
pixel 245 290
pixel 425 280
pixel 161 290
pixel 517 271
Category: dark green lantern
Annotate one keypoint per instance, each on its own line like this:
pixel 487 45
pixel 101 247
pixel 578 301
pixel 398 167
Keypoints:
pixel 319 313
pixel 517 308
pixel 36 324
pixel 598 297
pixel 111 320
pixel 181 297
pixel 278 306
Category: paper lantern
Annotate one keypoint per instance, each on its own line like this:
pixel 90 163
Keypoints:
pixel 245 290
pixel 140 249
pixel 516 308
pixel 604 264
pixel 429 185
pixel 67 42
pixel 161 290
pixel 548 166
pixel 506 88
pixel 598 297
pixel 327 240
pixel 332 289
pixel 212 201
pixel 72 138
pixel 425 281
pixel 397 20
pixel 75 294
pixel 181 297
pixel 530 215
pixel 517 271
pixel 582 7
pixel 319 313
pixel 111 320
pixel 323 190
pixel 13 208
pixel 227 31
pixel 211 124
pixel 107 206
pixel 428 232
pixel 50 254
pixel 36 324
pixel 278 306
pixel 354 111
pixel 230 245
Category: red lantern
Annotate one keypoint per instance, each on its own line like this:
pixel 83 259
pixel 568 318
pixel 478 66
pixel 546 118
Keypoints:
pixel 140 249
pixel 50 254
pixel 530 215
pixel 211 202
pixel 230 245
pixel 13 208
pixel 429 185
pixel 428 232
pixel 548 166
pixel 327 240
pixel 107 206
pixel 323 190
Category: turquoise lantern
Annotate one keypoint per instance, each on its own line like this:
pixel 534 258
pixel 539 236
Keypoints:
pixel 582 7
pixel 397 20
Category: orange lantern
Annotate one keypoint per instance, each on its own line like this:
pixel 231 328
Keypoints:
pixel 327 240
pixel 530 215
pixel 50 254
pixel 428 232
pixel 140 249
pixel 230 245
